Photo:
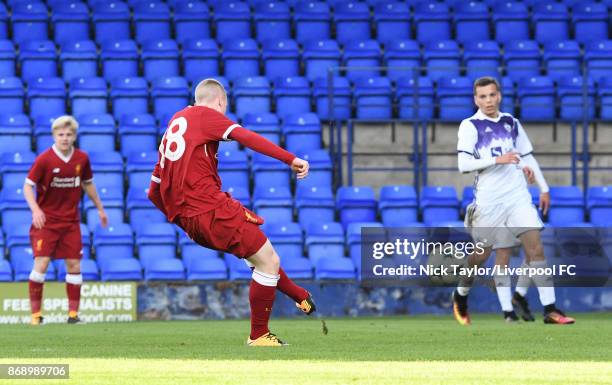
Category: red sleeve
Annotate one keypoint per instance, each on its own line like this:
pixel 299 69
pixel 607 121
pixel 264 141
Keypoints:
pixel 260 144
pixel 216 127
pixel 87 173
pixel 36 172
pixel 154 196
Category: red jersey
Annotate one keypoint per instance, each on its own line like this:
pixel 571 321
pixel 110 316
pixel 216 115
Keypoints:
pixel 187 166
pixel 58 183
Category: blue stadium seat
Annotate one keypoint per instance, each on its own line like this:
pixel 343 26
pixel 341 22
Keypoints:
pixel 7 58
pixel 78 59
pixel 272 20
pixel 509 95
pixel 70 22
pixel 510 21
pixel 398 205
pixel 111 21
pixel 169 95
pixel 15 167
pixel 206 269
pixel 314 204
pixel 160 58
pixel 355 240
pixel 129 96
pixel 30 21
pixel 18 244
pixel 4 19
pixel 85 240
pixel 15 133
pixel 604 93
pixel 312 20
pixel 319 56
pixel 191 251
pixel 536 96
pixel 42 132
pixel 96 133
pixel 599 205
pixel 302 132
pixel 320 171
pixel 238 269
pixel 471 21
pixel 140 209
pixel 274 204
pixel 433 21
pixel 151 20
pixel 233 21
pixel 551 22
pixel 341 91
pixel 88 96
pixel 6 271
pixel 119 59
pixel 37 59
pixel 13 208
pixel 566 206
pixel 455 97
pixel 23 267
pixel 268 171
pixel 113 242
pixel 356 204
pixel 89 270
pixel 442 58
pixel 107 168
pixel 598 58
pixel 404 56
pixel 139 167
pixel 522 59
pixel 373 98
pixel 291 95
pixel 155 241
pixel 467 197
pixel 241 58
pixel 287 239
pixel 352 21
pixel 590 21
pixel 392 20
pixel 297 267
pixel 122 269
pixel 12 95
pixel 571 92
pixel 415 102
pixel 233 168
pixel 191 20
pixel 482 58
pixel 280 58
pixel 137 134
pixel 251 94
pixel 265 124
pixel 439 204
pixel 562 58
pixel 200 59
pixel 334 268
pixel 324 240
pixel 241 194
pixel 112 198
pixel 362 53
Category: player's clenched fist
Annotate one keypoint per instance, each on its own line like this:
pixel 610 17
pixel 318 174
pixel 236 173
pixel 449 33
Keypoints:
pixel 300 167
pixel 508 158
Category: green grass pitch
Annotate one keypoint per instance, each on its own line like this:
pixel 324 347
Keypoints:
pixel 391 350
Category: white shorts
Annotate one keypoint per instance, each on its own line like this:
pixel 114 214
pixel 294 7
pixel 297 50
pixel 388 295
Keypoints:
pixel 500 225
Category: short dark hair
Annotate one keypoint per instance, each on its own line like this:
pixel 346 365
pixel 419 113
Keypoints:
pixel 485 81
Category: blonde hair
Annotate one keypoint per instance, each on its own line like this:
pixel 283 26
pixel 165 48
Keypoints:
pixel 208 90
pixel 65 121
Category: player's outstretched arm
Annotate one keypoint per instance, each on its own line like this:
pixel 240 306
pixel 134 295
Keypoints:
pixel 92 193
pixel 38 216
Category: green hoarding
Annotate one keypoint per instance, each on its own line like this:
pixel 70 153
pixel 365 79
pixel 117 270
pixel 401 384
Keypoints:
pixel 100 302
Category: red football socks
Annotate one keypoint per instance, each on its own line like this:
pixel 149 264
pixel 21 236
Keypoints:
pixel 36 292
pixel 289 288
pixel 261 298
pixel 74 298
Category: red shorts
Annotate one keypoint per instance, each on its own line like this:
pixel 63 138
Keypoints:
pixel 59 240
pixel 230 228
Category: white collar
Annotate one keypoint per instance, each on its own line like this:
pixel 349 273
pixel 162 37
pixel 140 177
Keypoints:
pixel 481 115
pixel 59 154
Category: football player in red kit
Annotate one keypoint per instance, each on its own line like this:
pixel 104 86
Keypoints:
pixel 187 189
pixel 59 175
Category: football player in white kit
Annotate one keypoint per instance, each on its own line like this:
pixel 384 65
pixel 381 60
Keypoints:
pixel 495 146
